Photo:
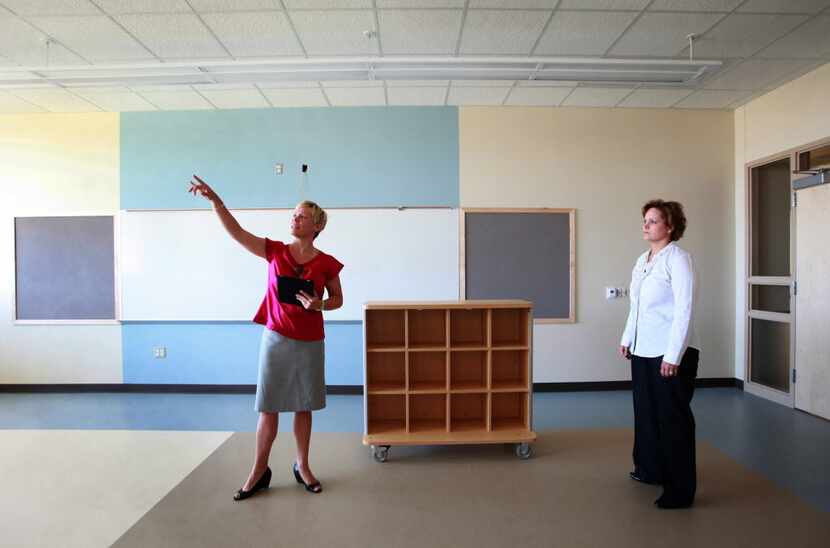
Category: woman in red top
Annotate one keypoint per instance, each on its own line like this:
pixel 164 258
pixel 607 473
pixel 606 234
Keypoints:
pixel 291 357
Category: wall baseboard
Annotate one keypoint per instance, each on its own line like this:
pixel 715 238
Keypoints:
pixel 342 389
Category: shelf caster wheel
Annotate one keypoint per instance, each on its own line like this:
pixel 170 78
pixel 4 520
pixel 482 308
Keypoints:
pixel 380 452
pixel 523 450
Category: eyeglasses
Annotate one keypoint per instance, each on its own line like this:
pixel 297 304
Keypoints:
pixel 650 222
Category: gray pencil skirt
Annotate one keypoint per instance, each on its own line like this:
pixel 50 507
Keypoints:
pixel 291 374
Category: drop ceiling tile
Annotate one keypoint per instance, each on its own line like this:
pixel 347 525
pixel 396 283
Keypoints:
pixel 352 97
pixel 174 35
pixel 235 98
pixel 353 84
pixel 254 34
pixel 741 35
pixel 119 7
pixel 9 104
pixel 477 96
pixel 654 98
pixel 502 32
pixel 287 84
pixel 417 83
pixel 121 101
pixel 603 4
pixel 583 32
pixel 299 97
pixel 428 32
pixel 214 6
pixel 326 4
pixel 96 38
pixel 663 34
pixel 51 7
pixel 549 96
pixel 335 32
pixel 177 100
pixel 784 6
pixel 514 4
pixel 810 41
pixel 694 5
pixel 420 3
pixel 755 74
pixel 422 96
pixel 596 97
pixel 55 100
pixel 27 46
pixel 546 83
pixel 483 83
pixel 713 99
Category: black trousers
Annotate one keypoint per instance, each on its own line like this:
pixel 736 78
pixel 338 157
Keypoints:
pixel 664 427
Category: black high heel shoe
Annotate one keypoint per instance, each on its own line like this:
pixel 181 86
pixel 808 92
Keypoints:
pixel 262 483
pixel 313 488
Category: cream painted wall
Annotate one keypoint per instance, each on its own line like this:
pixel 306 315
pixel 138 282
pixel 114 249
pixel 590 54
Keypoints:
pixel 606 163
pixel 56 164
pixel 791 116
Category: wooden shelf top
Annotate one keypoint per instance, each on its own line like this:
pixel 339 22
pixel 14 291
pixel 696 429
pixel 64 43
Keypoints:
pixel 450 438
pixel 424 305
pixel 385 349
pixel 386 388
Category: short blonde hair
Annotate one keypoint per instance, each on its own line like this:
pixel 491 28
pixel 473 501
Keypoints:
pixel 318 214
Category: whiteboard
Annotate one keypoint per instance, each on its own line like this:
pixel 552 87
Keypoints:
pixel 183 266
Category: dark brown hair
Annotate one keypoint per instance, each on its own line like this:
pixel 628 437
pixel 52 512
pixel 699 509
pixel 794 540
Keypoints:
pixel 673 216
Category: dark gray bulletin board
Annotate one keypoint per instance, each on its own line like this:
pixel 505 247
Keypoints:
pixel 64 268
pixel 524 254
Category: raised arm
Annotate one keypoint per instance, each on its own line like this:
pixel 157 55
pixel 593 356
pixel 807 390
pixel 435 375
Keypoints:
pixel 254 244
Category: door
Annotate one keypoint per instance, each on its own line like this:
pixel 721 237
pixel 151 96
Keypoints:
pixel 770 325
pixel 812 349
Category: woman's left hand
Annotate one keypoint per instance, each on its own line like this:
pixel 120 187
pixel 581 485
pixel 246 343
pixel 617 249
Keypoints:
pixel 310 302
pixel 669 369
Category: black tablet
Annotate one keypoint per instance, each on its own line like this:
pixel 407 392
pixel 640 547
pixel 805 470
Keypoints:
pixel 288 288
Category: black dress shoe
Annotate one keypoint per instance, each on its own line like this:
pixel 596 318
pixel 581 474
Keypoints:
pixel 262 483
pixel 637 477
pixel 313 488
pixel 666 503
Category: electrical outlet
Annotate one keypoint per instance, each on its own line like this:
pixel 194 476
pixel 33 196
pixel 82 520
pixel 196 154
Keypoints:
pixel 278 169
pixel 159 352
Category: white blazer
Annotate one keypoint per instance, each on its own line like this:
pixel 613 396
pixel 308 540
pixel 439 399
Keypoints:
pixel 661 316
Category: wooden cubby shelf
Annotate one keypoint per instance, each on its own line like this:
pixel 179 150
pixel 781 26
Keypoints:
pixel 448 372
pixel 428 371
pixel 510 327
pixel 468 370
pixel 386 372
pixel 386 414
pixel 386 329
pixel 427 328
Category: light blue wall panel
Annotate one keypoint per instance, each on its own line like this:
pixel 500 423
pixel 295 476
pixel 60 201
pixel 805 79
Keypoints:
pixel 358 157
pixel 225 352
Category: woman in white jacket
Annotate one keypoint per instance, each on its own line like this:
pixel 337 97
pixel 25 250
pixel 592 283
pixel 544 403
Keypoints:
pixel 659 340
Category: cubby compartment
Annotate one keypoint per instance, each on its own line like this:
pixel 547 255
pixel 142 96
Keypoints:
pixel 509 327
pixel 508 411
pixel 427 413
pixel 468 412
pixel 468 370
pixel 386 414
pixel 386 371
pixel 468 328
pixel 385 329
pixel 509 369
pixel 427 371
pixel 427 328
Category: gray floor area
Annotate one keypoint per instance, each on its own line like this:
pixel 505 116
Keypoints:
pixel 789 447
